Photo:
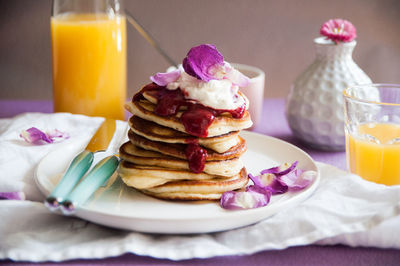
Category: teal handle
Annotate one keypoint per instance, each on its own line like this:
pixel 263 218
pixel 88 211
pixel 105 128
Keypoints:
pixel 94 179
pixel 78 167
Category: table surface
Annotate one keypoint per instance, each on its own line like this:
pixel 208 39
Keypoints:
pixel 273 123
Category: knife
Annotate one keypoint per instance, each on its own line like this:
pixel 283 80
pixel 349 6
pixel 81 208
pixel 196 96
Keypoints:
pixel 81 164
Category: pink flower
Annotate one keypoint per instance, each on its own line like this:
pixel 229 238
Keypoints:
pixel 206 63
pixel 239 200
pixel 203 62
pixel 339 30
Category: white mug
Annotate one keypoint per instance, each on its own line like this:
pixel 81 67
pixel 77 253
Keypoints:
pixel 254 91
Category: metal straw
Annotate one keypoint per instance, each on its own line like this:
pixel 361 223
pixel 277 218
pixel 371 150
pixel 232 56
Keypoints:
pixel 146 35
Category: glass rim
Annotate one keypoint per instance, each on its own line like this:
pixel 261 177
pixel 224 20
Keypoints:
pixel 380 85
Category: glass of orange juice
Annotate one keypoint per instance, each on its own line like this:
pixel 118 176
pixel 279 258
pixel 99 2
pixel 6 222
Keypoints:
pixel 372 126
pixel 89 57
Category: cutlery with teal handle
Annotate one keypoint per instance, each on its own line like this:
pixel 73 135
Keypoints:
pixel 70 196
pixel 100 173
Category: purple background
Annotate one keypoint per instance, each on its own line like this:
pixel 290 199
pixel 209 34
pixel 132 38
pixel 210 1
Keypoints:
pixel 273 124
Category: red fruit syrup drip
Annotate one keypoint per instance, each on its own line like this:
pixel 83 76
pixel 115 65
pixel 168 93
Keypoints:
pixel 197 119
pixel 168 102
pixel 196 156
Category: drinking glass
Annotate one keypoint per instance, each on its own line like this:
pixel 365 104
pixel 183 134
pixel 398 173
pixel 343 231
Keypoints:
pixel 89 57
pixel 372 127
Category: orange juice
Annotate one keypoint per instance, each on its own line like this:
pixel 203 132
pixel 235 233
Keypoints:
pixel 377 160
pixel 89 64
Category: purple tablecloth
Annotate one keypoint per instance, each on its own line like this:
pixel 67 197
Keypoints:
pixel 273 124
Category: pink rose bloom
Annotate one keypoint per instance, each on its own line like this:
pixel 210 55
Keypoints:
pixel 339 30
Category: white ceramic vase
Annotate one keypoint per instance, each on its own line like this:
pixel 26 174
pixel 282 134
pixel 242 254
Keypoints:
pixel 314 107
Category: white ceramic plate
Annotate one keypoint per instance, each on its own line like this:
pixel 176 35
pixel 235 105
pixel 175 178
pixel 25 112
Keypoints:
pixel 122 207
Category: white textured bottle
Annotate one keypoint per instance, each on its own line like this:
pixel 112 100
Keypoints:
pixel 314 107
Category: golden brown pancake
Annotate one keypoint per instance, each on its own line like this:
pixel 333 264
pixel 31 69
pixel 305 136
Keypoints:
pixel 142 157
pixel 139 176
pixel 156 132
pixel 221 125
pixel 198 189
pixel 178 150
pixel 178 184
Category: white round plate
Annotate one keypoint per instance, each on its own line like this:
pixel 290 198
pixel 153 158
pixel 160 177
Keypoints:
pixel 122 207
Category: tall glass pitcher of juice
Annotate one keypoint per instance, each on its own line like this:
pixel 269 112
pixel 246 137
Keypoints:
pixel 372 126
pixel 89 57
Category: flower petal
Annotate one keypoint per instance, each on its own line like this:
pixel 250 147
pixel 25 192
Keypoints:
pixel 262 190
pixel 57 134
pixel 339 30
pixel 163 79
pixel 35 136
pixel 12 195
pixel 278 188
pixel 269 182
pixel 297 179
pixel 203 62
pixel 272 181
pixel 280 170
pixel 38 137
pixel 234 200
pixel 272 170
pixel 262 180
pixel 236 77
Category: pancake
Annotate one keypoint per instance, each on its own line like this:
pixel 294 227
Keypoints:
pixel 179 185
pixel 181 149
pixel 156 132
pixel 221 125
pixel 187 196
pixel 139 156
pixel 178 150
pixel 144 177
pixel 198 189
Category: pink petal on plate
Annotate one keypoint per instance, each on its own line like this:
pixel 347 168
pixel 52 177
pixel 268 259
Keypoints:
pixel 35 136
pixel 339 30
pixel 262 180
pixel 262 190
pixel 269 182
pixel 298 179
pixel 280 170
pixel 239 200
pixel 203 62
pixel 163 79
pixel 272 181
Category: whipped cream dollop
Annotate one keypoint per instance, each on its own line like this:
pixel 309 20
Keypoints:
pixel 216 93
pixel 207 78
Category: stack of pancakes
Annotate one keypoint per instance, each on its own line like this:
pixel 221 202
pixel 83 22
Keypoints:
pixel 155 162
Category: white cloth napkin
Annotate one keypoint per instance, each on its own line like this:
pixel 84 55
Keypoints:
pixel 344 209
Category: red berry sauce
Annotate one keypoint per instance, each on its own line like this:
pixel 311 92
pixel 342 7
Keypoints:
pixel 196 156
